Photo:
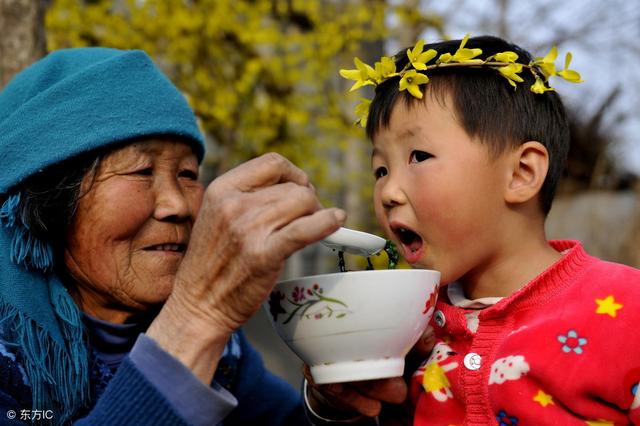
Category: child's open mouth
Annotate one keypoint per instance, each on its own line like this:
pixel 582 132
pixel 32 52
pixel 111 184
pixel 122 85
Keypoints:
pixel 410 244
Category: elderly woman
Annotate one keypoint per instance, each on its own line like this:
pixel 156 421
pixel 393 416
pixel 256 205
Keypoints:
pixel 123 281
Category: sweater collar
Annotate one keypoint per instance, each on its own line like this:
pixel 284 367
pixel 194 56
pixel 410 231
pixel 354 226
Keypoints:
pixel 111 337
pixel 562 274
pixel 111 342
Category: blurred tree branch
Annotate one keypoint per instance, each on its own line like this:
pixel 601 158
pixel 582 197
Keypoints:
pixel 590 164
pixel 23 35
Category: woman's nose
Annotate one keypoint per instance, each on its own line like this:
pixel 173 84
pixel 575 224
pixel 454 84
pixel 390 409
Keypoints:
pixel 172 203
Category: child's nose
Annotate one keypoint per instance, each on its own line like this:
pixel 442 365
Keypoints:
pixel 392 193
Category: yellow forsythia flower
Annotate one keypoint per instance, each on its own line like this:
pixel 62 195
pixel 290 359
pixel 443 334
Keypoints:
pixel 411 80
pixel 463 54
pixel 362 74
pixel 539 87
pixel 362 111
pixel 511 73
pixel 547 64
pixel 567 74
pixel 507 56
pixel 445 57
pixel 384 69
pixel 418 58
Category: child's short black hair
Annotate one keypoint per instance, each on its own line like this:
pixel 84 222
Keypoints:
pixel 488 107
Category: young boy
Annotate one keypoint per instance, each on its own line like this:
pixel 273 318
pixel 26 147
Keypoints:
pixel 526 331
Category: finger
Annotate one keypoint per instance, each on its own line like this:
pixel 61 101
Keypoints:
pixel 306 372
pixel 268 169
pixel 280 204
pixel 330 394
pixel 345 397
pixel 425 344
pixel 393 390
pixel 306 230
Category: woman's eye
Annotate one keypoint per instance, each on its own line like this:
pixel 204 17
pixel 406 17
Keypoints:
pixel 144 172
pixel 189 174
pixel 380 172
pixel 419 156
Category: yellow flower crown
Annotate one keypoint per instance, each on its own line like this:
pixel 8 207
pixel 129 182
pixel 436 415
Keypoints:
pixel 413 75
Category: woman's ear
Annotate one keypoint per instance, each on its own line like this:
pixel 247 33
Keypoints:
pixel 529 166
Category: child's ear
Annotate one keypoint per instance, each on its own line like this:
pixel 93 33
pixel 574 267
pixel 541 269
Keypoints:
pixel 528 171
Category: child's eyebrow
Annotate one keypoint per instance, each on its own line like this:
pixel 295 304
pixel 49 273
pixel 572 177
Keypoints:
pixel 407 133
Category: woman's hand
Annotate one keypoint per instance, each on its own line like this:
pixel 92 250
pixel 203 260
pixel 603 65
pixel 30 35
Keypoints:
pixel 367 397
pixel 251 219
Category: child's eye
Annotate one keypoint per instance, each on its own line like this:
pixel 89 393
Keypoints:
pixel 189 174
pixel 419 156
pixel 380 172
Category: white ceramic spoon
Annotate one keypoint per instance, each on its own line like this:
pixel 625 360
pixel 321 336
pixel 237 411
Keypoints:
pixel 355 242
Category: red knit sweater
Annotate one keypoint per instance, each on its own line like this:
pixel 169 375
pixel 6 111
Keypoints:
pixel 563 350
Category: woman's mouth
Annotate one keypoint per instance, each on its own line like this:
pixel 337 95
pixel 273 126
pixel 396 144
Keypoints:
pixel 411 245
pixel 168 247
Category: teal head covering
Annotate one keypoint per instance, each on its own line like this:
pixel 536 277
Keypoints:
pixel 71 102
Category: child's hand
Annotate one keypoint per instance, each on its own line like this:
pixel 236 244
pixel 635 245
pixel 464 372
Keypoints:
pixel 425 344
pixel 355 398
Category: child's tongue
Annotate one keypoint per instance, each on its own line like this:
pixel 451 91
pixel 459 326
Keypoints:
pixel 412 245
pixel 415 245
pixel 412 251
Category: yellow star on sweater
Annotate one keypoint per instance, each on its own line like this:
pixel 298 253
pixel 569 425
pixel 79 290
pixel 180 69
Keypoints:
pixel 600 423
pixel 608 306
pixel 543 399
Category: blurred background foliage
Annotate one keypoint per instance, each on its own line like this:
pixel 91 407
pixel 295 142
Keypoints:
pixel 261 74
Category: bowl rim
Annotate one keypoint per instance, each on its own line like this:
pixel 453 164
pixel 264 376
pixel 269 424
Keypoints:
pixel 430 272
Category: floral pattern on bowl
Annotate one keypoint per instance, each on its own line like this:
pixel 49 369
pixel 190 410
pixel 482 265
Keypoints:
pixel 307 303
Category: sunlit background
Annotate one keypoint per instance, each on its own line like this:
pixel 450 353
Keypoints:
pixel 262 76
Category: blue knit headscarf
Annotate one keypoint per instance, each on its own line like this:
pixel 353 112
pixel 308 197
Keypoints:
pixel 71 102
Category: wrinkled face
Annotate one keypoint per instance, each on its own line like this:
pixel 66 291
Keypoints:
pixel 132 227
pixel 438 194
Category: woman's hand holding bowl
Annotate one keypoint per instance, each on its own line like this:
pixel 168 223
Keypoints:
pixel 367 397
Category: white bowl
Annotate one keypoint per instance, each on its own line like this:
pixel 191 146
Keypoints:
pixel 354 325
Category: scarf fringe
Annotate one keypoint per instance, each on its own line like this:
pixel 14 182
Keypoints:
pixel 58 376
pixel 26 249
pixel 9 209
